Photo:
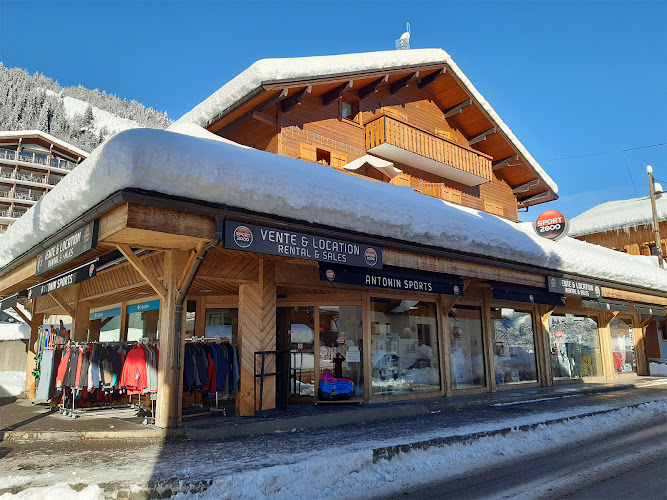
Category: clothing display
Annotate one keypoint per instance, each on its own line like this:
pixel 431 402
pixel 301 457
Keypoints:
pixel 210 366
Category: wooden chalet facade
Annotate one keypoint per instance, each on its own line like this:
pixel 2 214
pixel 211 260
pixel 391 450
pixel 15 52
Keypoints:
pixel 302 301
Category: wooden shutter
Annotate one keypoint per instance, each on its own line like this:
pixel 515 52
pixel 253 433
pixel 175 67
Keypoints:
pixel 493 208
pixel 338 160
pixel 308 152
pixel 401 179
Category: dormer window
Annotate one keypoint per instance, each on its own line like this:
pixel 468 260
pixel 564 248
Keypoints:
pixel 349 110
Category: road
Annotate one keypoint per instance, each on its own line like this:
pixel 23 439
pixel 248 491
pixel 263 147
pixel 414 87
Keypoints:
pixel 624 463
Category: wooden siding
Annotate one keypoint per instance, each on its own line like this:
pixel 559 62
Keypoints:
pixel 634 240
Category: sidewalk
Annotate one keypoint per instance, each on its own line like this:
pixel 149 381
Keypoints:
pixel 21 421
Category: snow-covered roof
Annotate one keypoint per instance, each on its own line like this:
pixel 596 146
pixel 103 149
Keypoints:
pixel 216 170
pixel 617 215
pixel 285 70
pixel 47 137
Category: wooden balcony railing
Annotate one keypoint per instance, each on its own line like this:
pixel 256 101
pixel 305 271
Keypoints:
pixel 388 130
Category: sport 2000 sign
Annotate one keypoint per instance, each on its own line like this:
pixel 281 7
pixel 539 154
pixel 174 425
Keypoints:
pixel 552 225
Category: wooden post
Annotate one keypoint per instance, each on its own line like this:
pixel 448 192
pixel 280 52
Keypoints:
pixel 35 322
pixel 81 319
pixel 604 333
pixel 639 339
pixel 488 335
pixel 123 322
pixel 444 336
pixel 543 336
pixel 200 317
pixel 368 359
pixel 257 332
pixel 170 369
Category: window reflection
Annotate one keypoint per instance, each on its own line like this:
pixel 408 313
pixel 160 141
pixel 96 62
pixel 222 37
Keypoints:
pixel 622 346
pixel 513 346
pixel 467 347
pixel 575 346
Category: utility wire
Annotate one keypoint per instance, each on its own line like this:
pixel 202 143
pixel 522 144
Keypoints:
pixel 606 152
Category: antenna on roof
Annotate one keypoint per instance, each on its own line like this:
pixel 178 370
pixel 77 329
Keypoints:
pixel 403 43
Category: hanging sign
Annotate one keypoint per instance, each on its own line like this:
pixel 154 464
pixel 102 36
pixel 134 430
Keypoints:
pixel 77 275
pixel 552 225
pixel 271 241
pixel 572 287
pixel 152 305
pixel 109 313
pixel 393 278
pixel 8 302
pixel 68 248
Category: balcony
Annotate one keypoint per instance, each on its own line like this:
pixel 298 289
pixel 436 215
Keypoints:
pixel 36 160
pixel 392 139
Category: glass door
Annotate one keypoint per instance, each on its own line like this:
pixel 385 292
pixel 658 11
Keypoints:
pixel 295 330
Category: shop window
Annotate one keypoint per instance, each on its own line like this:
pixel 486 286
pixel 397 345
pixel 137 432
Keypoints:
pixel 295 332
pixel 622 346
pixel 575 346
pixel 143 320
pixel 341 345
pixel 404 347
pixel 222 323
pixel 190 315
pixel 467 347
pixel 513 346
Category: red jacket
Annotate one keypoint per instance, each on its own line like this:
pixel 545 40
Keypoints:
pixel 134 376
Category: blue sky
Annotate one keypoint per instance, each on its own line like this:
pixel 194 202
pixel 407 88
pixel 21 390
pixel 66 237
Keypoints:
pixel 570 78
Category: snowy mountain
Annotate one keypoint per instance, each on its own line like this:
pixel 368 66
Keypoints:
pixel 77 115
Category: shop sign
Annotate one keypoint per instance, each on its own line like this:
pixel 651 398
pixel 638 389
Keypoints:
pixel 552 225
pixel 572 287
pixel 68 248
pixel 144 306
pixel 77 275
pixel 8 302
pixel 393 278
pixel 109 313
pixel 271 241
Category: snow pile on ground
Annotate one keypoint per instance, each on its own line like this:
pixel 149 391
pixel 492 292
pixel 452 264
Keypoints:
pixel 284 70
pixel 12 383
pixel 14 331
pixel 222 172
pixel 59 490
pixel 619 215
pixel 657 369
pixel 348 475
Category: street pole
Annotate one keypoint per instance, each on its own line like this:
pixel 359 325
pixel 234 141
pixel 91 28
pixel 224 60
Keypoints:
pixel 656 229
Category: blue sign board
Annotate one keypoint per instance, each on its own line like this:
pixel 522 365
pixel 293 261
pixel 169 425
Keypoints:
pixel 144 306
pixel 109 313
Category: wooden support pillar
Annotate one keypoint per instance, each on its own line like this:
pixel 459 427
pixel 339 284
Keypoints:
pixel 604 332
pixel 81 318
pixel 257 332
pixel 639 338
pixel 170 368
pixel 545 363
pixel 200 317
pixel 444 336
pixel 34 324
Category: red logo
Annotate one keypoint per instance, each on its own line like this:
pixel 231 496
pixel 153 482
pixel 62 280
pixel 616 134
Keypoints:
pixel 597 291
pixel 331 275
pixel 86 235
pixel 243 236
pixel 551 224
pixel 371 256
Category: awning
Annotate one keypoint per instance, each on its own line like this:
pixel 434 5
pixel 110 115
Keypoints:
pixel 607 305
pixel 646 310
pixel 384 166
pixel 520 293
pixel 394 278
pixel 8 302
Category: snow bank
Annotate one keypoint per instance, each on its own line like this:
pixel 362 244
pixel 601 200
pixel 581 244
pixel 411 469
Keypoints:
pixel 281 70
pixel 222 172
pixel 12 383
pixel 657 369
pixel 60 490
pixel 14 331
pixel 619 215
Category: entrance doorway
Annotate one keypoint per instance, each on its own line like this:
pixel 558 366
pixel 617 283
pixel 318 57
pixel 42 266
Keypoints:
pixel 295 333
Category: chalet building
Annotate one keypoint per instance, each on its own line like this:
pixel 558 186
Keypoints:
pixel 627 226
pixel 31 164
pixel 322 229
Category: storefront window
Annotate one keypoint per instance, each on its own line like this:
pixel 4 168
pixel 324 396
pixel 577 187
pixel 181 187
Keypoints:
pixel 404 347
pixel 296 333
pixel 341 344
pixel 223 323
pixel 622 346
pixel 467 347
pixel 190 315
pixel 513 346
pixel 575 346
pixel 105 325
pixel 143 320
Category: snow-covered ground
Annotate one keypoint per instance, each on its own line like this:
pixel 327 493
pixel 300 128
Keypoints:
pixel 102 118
pixel 12 383
pixel 352 473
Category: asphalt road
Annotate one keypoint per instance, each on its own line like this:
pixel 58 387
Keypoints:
pixel 624 463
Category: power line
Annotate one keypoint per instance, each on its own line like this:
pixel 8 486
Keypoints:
pixel 606 152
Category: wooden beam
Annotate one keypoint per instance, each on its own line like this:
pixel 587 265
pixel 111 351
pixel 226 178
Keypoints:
pixel 23 316
pixel 505 162
pixel 192 259
pixel 525 187
pixel 642 324
pixel 482 137
pixel 372 87
pixel 295 100
pixel 403 82
pixel 106 320
pixel 458 109
pixel 336 93
pixel 142 270
pixel 429 79
pixel 62 303
pixel 263 117
pixel 270 102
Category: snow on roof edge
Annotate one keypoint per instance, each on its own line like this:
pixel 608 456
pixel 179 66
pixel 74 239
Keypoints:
pixel 268 71
pixel 226 173
pixel 47 136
